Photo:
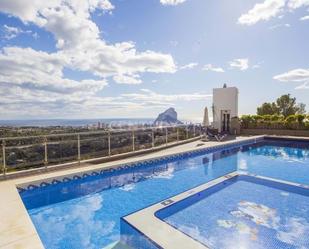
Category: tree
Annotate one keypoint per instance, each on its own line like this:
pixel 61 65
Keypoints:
pixel 301 108
pixel 285 106
pixel 267 109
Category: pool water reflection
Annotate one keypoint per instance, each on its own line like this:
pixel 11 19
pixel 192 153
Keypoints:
pixel 86 213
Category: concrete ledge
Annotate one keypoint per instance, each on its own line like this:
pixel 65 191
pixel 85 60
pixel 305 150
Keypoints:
pixel 16 228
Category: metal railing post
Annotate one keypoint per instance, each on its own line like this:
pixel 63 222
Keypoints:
pixel 166 136
pixel 133 140
pixel 3 157
pixel 177 132
pixel 45 152
pixel 193 130
pixel 78 148
pixel 152 138
pixel 109 143
pixel 187 132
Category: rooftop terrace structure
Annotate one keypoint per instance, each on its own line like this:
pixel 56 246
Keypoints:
pixel 225 107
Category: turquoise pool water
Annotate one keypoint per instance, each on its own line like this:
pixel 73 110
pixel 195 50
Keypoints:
pixel 249 213
pixel 86 213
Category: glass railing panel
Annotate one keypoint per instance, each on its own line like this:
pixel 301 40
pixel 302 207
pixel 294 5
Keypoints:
pixel 121 142
pixel 159 137
pixel 172 134
pixel 94 145
pixel 24 156
pixel 143 139
pixel 61 149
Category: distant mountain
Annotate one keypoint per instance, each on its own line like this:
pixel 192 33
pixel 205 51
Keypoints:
pixel 169 117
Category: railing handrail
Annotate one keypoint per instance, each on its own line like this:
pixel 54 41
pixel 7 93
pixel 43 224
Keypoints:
pixel 94 132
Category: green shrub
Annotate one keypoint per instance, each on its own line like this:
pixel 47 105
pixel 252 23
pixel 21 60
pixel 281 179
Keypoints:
pixel 246 120
pixel 291 119
pixel 257 117
pixel 297 121
pixel 300 118
pixel 267 117
pixel 277 117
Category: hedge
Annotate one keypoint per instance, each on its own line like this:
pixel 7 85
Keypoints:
pixel 292 122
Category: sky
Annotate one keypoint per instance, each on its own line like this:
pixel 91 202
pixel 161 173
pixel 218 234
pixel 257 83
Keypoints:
pixel 136 58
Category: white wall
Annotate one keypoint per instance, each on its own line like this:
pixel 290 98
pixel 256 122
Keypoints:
pixel 224 99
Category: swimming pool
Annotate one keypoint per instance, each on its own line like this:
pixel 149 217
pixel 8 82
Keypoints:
pixel 250 212
pixel 86 212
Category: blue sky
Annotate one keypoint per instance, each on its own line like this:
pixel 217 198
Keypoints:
pixel 136 58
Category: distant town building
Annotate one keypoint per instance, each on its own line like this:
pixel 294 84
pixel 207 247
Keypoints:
pixel 225 107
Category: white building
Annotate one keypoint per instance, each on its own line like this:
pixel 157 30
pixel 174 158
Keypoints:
pixel 225 107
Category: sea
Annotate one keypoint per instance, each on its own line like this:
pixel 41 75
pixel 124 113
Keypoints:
pixel 75 122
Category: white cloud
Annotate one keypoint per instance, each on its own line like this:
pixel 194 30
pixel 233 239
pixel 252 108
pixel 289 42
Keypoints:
pixel 296 75
pixel 304 18
pixel 22 101
pixel 295 4
pixel 32 84
pixel 241 64
pixel 285 25
pixel 272 8
pixel 11 32
pixel 34 11
pixel 127 79
pixel 38 75
pixel 262 12
pixel 210 67
pixel 42 71
pixel 172 2
pixel 27 102
pixel 303 86
pixel 151 96
pixel 257 65
pixel 189 66
pixel 78 37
